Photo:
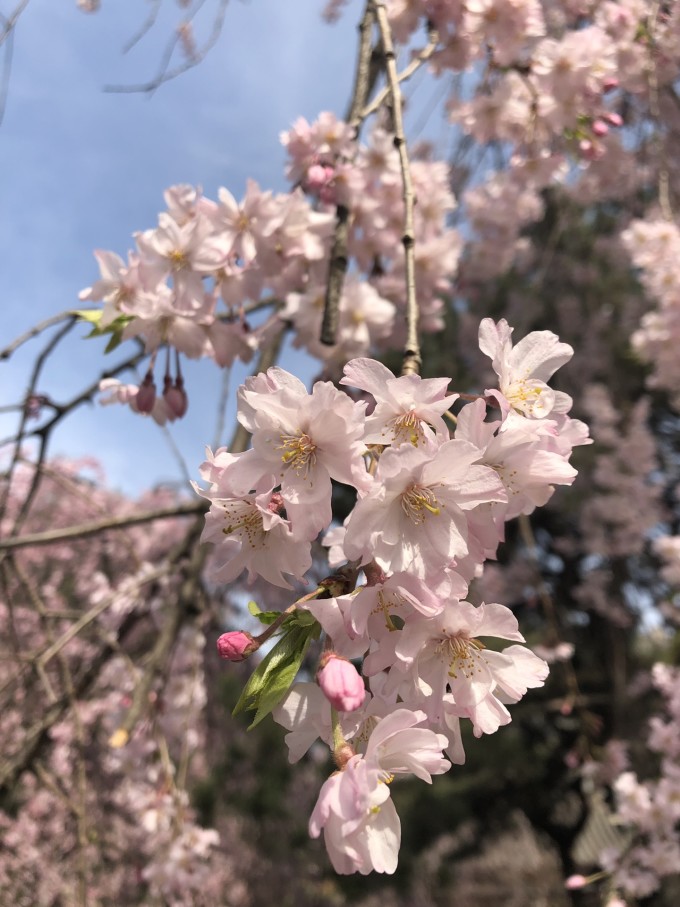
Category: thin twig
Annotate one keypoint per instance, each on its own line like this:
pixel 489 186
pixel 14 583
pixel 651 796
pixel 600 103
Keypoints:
pixel 7 35
pixel 337 265
pixel 165 74
pixel 411 358
pixel 83 530
pixel 45 430
pixel 146 26
pixel 34 331
pixel 32 384
pixel 98 609
pixel 9 22
pixel 222 409
pixel 418 60
pixel 663 181
pixel 187 603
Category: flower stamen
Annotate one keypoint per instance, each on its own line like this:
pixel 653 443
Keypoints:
pixel 299 452
pixel 417 502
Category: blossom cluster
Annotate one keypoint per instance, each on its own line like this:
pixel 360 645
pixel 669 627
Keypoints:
pixel 650 809
pixel 551 84
pixel 192 282
pixel 654 246
pixel 115 817
pixel 432 502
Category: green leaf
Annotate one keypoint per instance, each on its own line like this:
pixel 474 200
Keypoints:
pixel 115 327
pixel 273 677
pixel 265 617
pixel 279 683
pixel 281 653
pixel 92 316
pixel 115 340
pixel 302 618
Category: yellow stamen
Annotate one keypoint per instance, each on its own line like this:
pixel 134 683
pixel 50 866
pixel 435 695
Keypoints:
pixel 417 499
pixel 464 655
pixel 299 452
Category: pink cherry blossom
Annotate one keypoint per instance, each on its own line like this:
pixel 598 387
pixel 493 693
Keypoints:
pixel 413 517
pixel 408 407
pixel 524 369
pixel 361 827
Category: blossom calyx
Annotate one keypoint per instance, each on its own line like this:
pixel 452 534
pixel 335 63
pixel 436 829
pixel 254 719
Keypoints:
pixel 341 683
pixel 236 645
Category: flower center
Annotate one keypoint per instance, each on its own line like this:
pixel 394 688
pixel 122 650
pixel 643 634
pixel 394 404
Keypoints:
pixel 178 260
pixel 244 520
pixel 525 395
pixel 417 501
pixel 298 452
pixel 464 654
pixel 385 604
pixel 408 427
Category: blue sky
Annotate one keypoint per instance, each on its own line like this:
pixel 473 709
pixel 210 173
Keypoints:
pixel 83 169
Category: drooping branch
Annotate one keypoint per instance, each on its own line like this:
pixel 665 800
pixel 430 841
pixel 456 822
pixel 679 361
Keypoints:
pixel 411 358
pixel 416 63
pixel 84 530
pixel 337 266
pixel 44 431
pixel 165 73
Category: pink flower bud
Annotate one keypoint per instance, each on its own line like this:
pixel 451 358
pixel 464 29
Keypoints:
pixel 600 128
pixel 614 119
pixel 236 645
pixel 341 683
pixel 374 574
pixel 146 395
pixel 175 398
pixel 610 84
pixel 573 883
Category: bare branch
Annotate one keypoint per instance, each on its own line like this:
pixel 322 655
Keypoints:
pixel 34 331
pixel 411 359
pixel 165 74
pixel 147 25
pixel 337 266
pixel 32 383
pixel 9 22
pixel 419 60
pixel 44 432
pixel 94 528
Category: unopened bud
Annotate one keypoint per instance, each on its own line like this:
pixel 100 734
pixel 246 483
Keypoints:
pixel 600 128
pixel 175 398
pixel 614 119
pixel 573 883
pixel 146 395
pixel 610 84
pixel 374 574
pixel 341 683
pixel 236 645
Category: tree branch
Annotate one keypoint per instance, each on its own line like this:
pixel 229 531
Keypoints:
pixel 337 266
pixel 83 530
pixel 411 359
